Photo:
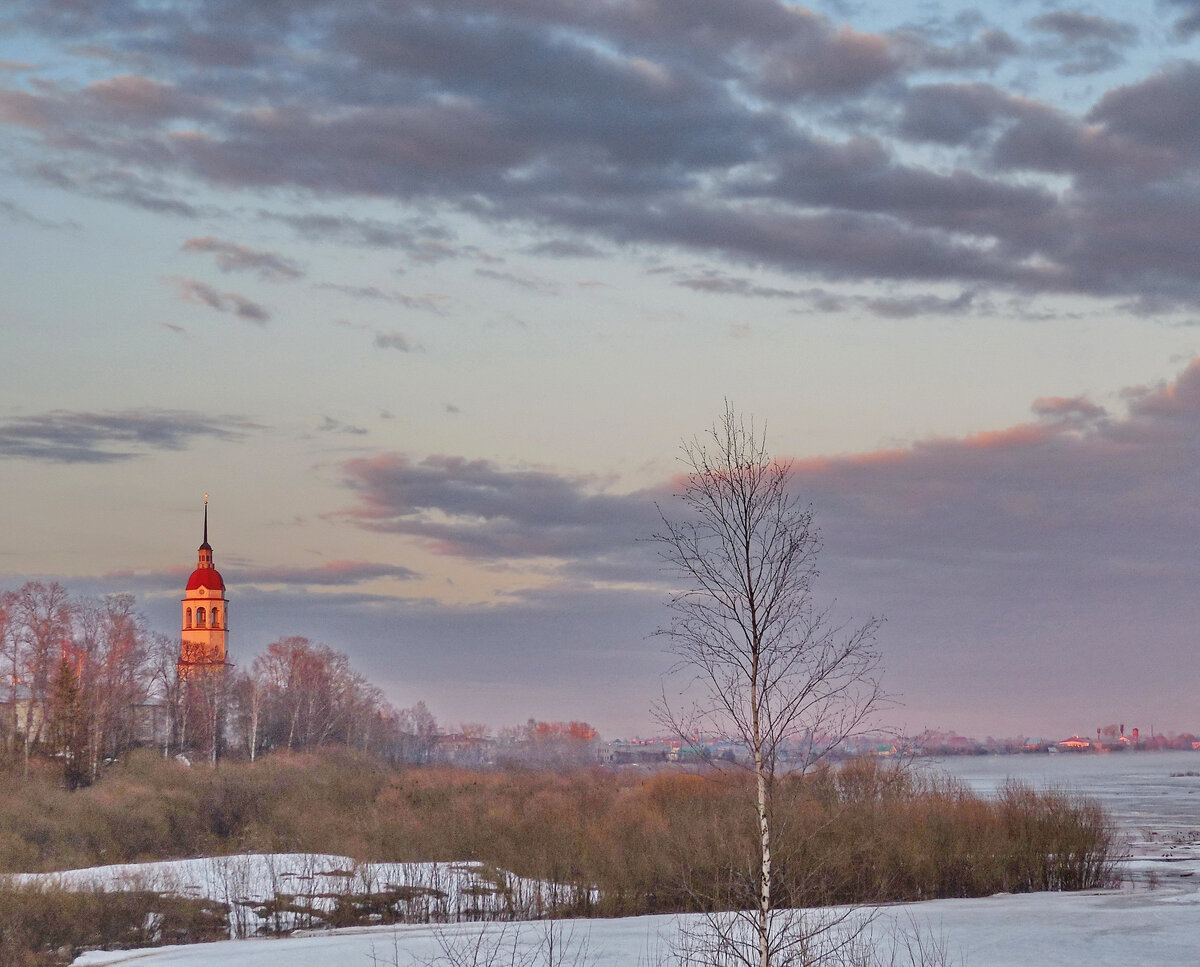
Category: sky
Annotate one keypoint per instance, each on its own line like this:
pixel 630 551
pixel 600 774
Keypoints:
pixel 426 297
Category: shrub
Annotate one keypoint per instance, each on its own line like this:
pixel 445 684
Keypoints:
pixel 625 842
pixel 46 925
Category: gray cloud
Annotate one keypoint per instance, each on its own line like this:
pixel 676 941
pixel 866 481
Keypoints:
pixel 1075 409
pixel 569 653
pixel 426 303
pixel 1188 23
pixel 356 231
pixel 231 257
pixel 1084 43
pixel 12 212
pixel 904 307
pixel 124 187
pixel 960 45
pixel 475 509
pixel 63 436
pixel 1020 488
pixel 957 113
pixel 1058 553
pixel 395 340
pixel 1073 26
pixel 641 122
pixel 891 306
pixel 734 285
pixel 520 281
pixel 329 574
pixel 192 290
pixel 330 425
pixel 564 248
pixel 1162 109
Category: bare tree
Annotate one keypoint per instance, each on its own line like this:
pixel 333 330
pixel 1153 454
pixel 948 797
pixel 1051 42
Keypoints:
pixel 766 664
pixel 114 673
pixel 44 613
pixel 10 669
pixel 417 732
pixel 166 688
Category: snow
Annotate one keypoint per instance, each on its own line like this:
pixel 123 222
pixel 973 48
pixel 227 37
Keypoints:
pixel 1148 928
pixel 439 891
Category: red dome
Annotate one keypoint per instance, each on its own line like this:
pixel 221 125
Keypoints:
pixel 210 577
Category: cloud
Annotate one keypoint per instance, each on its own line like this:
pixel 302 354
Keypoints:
pixel 1160 110
pixel 330 425
pixel 231 257
pixel 1080 490
pixel 573 653
pixel 426 303
pixel 1044 570
pixel 63 436
pixel 384 340
pixel 192 290
pixel 476 509
pixel 1085 43
pixel 904 307
pixel 395 340
pixel 329 574
pixel 753 132
pixel 820 300
pixel 520 281
pixel 1075 408
pixel 1073 26
pixel 731 285
pixel 1188 23
pixel 137 190
pixel 1018 488
pixel 564 248
pixel 10 211
pixel 957 113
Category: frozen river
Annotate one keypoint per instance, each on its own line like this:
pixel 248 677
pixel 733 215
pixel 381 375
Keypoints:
pixel 1153 798
pixel 1140 790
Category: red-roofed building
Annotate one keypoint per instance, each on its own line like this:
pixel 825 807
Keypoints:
pixel 205 615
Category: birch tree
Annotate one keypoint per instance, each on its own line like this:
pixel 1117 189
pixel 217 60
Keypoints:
pixel 764 663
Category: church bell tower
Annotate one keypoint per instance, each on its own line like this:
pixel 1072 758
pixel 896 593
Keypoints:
pixel 205 615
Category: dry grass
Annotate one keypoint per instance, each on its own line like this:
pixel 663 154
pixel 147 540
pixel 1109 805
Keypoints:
pixel 45 926
pixel 670 841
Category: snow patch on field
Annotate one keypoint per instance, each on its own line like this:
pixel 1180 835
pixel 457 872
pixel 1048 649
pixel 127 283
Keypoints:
pixel 280 892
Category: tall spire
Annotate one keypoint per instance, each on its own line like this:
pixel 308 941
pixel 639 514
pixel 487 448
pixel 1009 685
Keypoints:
pixel 205 558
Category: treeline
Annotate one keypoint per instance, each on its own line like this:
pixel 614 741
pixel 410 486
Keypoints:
pixel 83 680
pixel 668 841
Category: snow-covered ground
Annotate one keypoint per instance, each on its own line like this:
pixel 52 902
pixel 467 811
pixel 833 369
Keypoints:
pixel 1159 928
pixel 249 883
pixel 1153 922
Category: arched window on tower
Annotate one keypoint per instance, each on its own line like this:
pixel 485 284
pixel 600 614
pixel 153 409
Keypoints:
pixel 199 617
pixel 216 618
pixel 187 618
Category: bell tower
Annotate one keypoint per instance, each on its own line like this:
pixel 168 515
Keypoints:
pixel 205 615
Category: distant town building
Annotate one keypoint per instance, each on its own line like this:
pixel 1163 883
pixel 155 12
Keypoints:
pixel 205 615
